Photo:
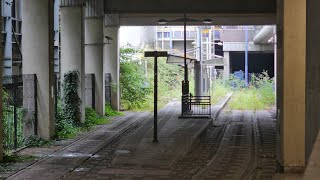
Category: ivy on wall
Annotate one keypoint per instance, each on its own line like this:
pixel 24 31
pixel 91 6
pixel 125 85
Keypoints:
pixel 71 99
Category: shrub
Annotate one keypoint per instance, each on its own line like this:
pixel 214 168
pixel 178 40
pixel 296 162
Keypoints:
pixel 134 86
pixel 259 95
pixel 110 112
pixel 93 119
pixel 35 141
pixel 64 128
pixel 220 89
pixel 71 100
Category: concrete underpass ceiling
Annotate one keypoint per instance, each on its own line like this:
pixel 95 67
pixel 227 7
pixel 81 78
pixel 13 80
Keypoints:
pixel 218 19
pixel 191 6
pixel 222 12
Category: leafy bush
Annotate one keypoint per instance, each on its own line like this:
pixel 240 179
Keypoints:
pixel 259 95
pixel 134 86
pixel 220 89
pixel 68 114
pixel 93 119
pixel 35 141
pixel 64 128
pixel 110 112
pixel 8 123
pixel 137 80
pixel 71 100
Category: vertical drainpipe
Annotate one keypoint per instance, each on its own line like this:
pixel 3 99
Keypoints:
pixel 200 57
pixel 156 34
pixel 171 45
pixel 246 56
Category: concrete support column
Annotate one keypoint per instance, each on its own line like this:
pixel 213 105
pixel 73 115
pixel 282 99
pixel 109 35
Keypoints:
pixel 313 75
pixel 72 45
pixel 293 85
pixel 1 114
pixel 111 61
pixel 226 65
pixel 37 51
pixel 197 79
pixel 94 52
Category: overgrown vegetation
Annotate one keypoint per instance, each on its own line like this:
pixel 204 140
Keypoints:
pixel 220 89
pixel 258 95
pixel 8 123
pixel 71 100
pixel 8 160
pixel 35 141
pixel 133 83
pixel 139 71
pixel 68 116
pixel 110 112
pixel 93 119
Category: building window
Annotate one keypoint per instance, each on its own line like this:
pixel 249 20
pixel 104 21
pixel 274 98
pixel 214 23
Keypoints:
pixel 166 34
pixel 192 34
pixel 177 34
pixel 159 34
pixel 217 34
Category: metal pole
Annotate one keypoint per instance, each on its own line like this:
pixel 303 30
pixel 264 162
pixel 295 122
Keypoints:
pixel 185 55
pixel 275 60
pixel 15 114
pixel 155 55
pixel 246 57
pixel 155 107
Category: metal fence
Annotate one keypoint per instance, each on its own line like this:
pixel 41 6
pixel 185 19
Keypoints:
pixel 19 110
pixel 198 106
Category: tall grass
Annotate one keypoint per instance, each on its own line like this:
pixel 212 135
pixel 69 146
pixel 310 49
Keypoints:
pixel 258 95
pixel 220 89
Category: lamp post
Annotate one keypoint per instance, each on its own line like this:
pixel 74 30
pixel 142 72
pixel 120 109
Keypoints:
pixel 155 55
pixel 185 83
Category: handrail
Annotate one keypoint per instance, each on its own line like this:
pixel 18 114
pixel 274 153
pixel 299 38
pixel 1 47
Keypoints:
pixel 198 106
pixel 17 43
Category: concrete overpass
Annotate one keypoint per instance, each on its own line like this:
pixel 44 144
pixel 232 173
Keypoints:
pixel 85 23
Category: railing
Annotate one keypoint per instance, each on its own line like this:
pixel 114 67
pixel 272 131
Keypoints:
pixel 196 106
pixel 19 110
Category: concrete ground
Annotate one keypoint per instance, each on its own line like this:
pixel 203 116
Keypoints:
pixel 125 142
pixel 237 145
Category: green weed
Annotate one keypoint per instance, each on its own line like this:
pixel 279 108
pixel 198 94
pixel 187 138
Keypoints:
pixel 35 141
pixel 110 112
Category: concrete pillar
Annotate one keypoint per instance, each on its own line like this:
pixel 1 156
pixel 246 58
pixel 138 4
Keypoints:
pixel 293 108
pixel 111 61
pixel 72 44
pixel 94 51
pixel 37 51
pixel 197 79
pixel 313 75
pixel 226 65
pixel 1 115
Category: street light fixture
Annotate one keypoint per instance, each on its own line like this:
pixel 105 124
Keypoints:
pixel 185 85
pixel 216 43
